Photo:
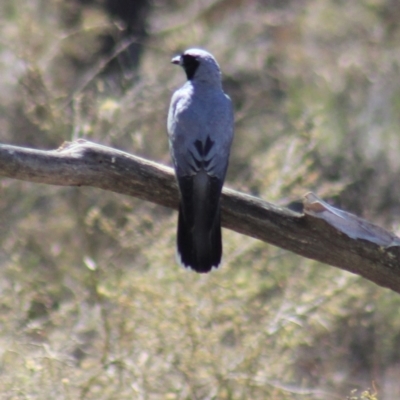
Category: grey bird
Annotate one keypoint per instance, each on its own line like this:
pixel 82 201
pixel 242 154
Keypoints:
pixel 200 129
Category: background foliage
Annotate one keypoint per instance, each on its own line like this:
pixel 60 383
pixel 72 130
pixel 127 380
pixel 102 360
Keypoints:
pixel 93 305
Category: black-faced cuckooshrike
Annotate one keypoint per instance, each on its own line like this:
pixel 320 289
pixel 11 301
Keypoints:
pixel 200 129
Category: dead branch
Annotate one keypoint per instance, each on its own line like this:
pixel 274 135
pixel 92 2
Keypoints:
pixel 82 163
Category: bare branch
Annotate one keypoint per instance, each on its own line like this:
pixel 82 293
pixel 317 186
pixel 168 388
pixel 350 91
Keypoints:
pixel 82 163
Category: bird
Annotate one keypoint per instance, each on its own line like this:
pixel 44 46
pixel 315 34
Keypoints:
pixel 200 130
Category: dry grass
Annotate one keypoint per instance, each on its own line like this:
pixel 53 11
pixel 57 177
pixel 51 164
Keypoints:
pixel 93 305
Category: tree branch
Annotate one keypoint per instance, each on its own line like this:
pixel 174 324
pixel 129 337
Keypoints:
pixel 82 163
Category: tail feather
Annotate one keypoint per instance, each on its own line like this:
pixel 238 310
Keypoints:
pixel 216 239
pixel 199 249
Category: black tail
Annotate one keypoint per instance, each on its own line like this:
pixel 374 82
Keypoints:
pixel 199 249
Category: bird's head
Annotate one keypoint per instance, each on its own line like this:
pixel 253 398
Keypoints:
pixel 199 65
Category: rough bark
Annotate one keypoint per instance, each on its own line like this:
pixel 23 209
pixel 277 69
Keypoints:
pixel 83 163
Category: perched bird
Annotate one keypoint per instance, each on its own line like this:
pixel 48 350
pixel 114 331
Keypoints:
pixel 200 129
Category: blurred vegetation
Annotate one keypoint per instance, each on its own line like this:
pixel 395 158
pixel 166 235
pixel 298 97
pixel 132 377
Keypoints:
pixel 93 305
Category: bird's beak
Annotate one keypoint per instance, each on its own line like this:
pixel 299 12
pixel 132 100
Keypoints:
pixel 176 60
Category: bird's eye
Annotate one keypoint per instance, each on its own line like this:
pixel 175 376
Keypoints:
pixel 188 58
pixel 190 64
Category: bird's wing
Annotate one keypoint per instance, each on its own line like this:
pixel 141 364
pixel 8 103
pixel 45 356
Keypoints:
pixel 200 134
